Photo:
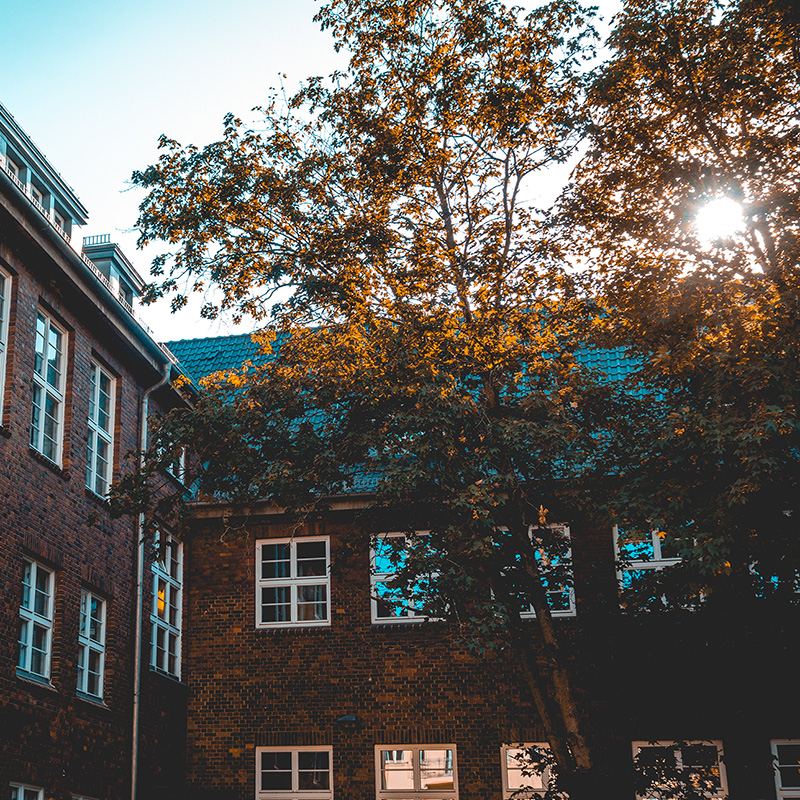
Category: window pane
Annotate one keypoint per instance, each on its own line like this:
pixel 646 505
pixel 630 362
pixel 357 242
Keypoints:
pixel 436 769
pixel 276 771
pixel 635 545
pixel 397 770
pixel 275 562
pixel 789 765
pixel 389 603
pixel 389 554
pixel 518 760
pixel 312 602
pixel 313 770
pixel 41 602
pixel 311 558
pixel 275 603
pixel 790 777
pixel 657 757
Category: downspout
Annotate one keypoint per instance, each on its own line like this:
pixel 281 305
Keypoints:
pixel 137 658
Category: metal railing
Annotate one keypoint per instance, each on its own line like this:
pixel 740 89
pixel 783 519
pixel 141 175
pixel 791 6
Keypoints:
pixel 104 238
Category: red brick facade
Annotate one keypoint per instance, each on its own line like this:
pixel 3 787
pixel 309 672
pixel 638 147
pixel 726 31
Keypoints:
pixel 50 736
pixel 411 684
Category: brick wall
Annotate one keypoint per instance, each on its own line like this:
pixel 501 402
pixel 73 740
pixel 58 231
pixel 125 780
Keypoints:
pixel 412 684
pixel 49 736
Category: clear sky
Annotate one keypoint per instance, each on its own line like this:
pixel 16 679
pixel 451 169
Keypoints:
pixel 95 82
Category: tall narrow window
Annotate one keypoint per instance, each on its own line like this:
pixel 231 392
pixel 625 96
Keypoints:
pixel 100 445
pixel 47 413
pixel 786 758
pixel 5 292
pixel 165 644
pixel 92 645
pixel 389 603
pixel 554 555
pixel 293 582
pixel 36 620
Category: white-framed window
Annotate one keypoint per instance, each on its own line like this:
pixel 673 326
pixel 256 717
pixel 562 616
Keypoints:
pixel 786 758
pixel 556 580
pixel 100 444
pixel 165 641
pixel 92 645
pixel 5 301
pixel 21 791
pixel 49 375
pixel 59 221
pixel 293 582
pixel 13 167
pixel 294 773
pixel 526 770
pixel 424 772
pixel 37 195
pixel 664 766
pixel 387 557
pixel 36 619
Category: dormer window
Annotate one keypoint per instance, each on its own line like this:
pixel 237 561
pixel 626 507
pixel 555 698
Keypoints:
pixel 12 167
pixel 59 221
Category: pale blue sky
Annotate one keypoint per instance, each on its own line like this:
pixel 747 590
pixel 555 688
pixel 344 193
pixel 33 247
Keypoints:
pixel 95 82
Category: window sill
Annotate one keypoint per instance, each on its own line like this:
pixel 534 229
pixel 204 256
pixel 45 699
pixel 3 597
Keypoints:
pixel 35 680
pixel 294 628
pixel 101 501
pixel 51 465
pixel 174 679
pixel 96 702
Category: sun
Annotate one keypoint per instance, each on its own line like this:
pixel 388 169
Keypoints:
pixel 719 219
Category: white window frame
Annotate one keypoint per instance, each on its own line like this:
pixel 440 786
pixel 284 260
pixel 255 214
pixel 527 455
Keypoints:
pixel 565 612
pixel 98 477
pixel 658 562
pixel 5 306
pixel 783 792
pixel 13 167
pixel 295 793
pixel 511 793
pixel 417 792
pixel 91 645
pixel 167 611
pixel 20 791
pixel 37 195
pixel 59 221
pixel 723 790
pixel 49 390
pixel 177 467
pixel 376 578
pixel 31 619
pixel 293 582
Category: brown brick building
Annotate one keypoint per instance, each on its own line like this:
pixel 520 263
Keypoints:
pixel 77 374
pixel 302 685
pixel 267 664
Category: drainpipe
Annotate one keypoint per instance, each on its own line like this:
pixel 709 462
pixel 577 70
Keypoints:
pixel 137 659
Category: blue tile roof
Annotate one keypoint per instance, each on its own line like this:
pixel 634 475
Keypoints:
pixel 201 357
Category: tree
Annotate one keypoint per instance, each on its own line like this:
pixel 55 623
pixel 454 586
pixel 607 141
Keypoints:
pixel 699 102
pixel 427 320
